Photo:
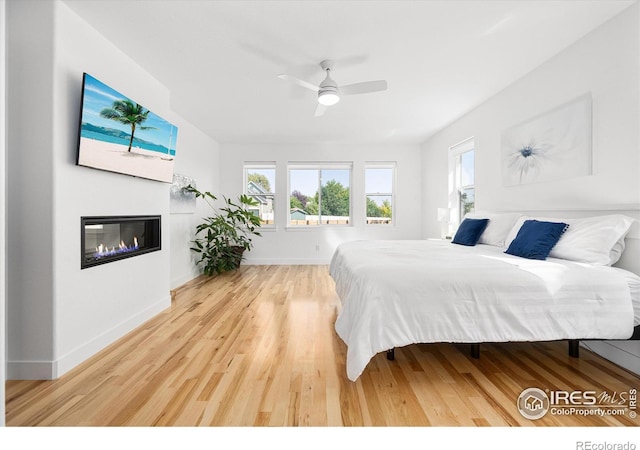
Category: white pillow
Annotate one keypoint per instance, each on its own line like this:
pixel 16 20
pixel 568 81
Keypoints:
pixel 498 227
pixel 595 240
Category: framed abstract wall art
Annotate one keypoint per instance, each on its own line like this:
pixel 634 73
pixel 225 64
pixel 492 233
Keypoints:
pixel 182 201
pixel 552 146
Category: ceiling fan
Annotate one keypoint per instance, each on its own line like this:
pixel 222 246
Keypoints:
pixel 328 91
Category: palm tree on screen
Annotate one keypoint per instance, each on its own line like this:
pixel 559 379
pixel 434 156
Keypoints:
pixel 127 113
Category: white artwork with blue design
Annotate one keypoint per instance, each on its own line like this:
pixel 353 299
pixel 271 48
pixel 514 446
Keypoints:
pixel 552 146
pixel 182 201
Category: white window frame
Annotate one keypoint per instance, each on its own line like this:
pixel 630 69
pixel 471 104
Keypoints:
pixel 455 177
pixel 394 210
pixel 248 166
pixel 319 166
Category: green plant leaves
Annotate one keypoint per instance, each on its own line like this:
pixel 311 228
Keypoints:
pixel 222 237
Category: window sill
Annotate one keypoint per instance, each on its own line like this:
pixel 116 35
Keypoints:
pixel 269 229
pixel 319 227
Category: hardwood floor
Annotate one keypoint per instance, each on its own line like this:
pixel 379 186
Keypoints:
pixel 257 347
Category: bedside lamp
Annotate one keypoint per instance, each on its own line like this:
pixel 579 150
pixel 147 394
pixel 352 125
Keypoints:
pixel 443 218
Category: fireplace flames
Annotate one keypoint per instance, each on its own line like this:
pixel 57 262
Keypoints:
pixel 103 250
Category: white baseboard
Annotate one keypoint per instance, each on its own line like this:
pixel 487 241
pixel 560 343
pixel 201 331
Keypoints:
pixel 50 370
pixel 30 370
pixel 185 278
pixel 617 352
pixel 286 261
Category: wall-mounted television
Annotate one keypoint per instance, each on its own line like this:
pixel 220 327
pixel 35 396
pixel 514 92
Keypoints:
pixel 119 135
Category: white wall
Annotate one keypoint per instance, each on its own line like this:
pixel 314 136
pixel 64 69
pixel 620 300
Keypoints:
pixel 59 315
pixel 97 305
pixel 606 63
pixel 3 191
pixel 30 335
pixel 198 159
pixel 316 245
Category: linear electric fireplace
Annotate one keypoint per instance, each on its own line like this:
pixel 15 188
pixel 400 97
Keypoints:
pixel 112 238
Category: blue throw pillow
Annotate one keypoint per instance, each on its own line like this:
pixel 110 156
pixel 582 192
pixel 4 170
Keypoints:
pixel 535 239
pixel 470 231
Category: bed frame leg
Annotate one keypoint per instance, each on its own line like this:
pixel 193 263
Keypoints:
pixel 391 354
pixel 475 351
pixel 574 348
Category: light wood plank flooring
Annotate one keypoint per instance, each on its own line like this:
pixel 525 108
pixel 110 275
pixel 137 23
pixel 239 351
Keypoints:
pixel 257 347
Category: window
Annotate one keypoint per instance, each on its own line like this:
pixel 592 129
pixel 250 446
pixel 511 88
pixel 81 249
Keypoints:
pixel 319 194
pixel 464 191
pixel 378 185
pixel 260 184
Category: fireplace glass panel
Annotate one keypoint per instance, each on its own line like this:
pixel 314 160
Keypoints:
pixel 107 239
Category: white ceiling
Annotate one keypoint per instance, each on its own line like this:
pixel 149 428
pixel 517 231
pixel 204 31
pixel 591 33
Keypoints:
pixel 220 59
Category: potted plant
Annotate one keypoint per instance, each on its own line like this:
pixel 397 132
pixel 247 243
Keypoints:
pixel 223 237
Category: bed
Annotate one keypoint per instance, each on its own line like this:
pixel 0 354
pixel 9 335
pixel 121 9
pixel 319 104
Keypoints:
pixel 400 292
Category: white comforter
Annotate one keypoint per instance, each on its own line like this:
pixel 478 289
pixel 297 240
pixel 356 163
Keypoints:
pixel 396 293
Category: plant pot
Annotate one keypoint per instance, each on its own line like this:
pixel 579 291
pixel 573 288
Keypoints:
pixel 238 251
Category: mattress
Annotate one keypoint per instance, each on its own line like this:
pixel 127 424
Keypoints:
pixel 396 293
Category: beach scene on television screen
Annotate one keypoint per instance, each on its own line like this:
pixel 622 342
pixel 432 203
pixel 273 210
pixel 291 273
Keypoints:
pixel 119 135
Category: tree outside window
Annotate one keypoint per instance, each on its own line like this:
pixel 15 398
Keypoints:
pixel 467 181
pixel 319 195
pixel 462 192
pixel 379 188
pixel 260 185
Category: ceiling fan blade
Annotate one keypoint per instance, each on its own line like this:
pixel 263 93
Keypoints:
pixel 364 87
pixel 299 82
pixel 320 109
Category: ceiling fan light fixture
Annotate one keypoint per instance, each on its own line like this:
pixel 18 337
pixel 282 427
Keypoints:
pixel 328 98
pixel 328 92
